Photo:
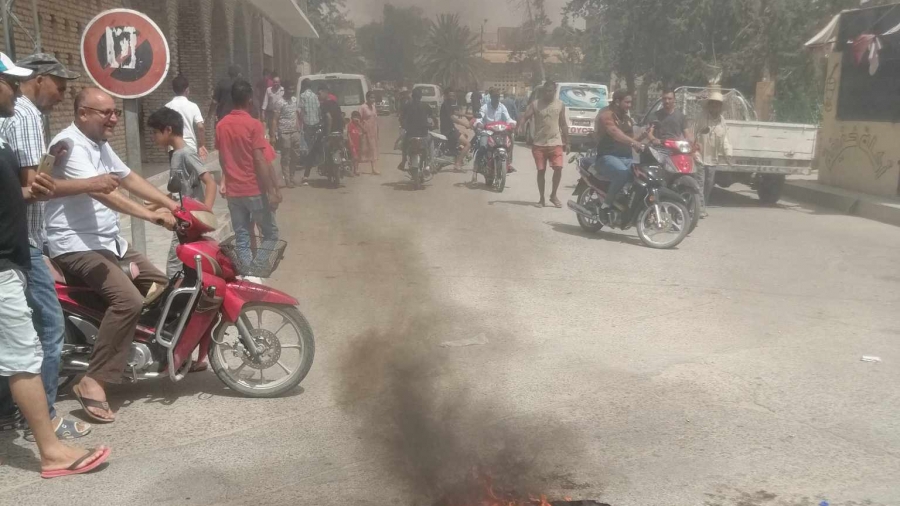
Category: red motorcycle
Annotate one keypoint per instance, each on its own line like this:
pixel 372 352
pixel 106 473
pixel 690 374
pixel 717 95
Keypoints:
pixel 495 160
pixel 259 344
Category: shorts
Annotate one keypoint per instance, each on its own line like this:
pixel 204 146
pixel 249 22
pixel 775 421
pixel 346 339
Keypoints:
pixel 544 154
pixel 20 347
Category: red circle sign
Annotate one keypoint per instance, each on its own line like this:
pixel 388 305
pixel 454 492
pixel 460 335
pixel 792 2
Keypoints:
pixel 125 53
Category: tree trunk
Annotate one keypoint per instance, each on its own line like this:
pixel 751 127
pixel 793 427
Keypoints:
pixel 538 40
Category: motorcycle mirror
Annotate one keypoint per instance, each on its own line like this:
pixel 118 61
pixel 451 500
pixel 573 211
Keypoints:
pixel 174 185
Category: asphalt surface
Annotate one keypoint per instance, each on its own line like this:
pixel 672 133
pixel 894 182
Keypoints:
pixel 460 329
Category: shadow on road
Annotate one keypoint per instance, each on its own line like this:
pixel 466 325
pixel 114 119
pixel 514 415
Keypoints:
pixel 201 385
pixel 404 186
pixel 576 230
pixel 473 186
pixel 522 203
pixel 321 184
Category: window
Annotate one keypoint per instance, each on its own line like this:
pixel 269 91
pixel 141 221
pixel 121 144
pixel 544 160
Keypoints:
pixel 864 97
pixel 427 91
pixel 349 92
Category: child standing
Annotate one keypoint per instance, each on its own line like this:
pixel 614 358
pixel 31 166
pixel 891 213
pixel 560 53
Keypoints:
pixel 354 135
pixel 196 180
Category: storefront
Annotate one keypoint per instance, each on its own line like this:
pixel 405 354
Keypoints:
pixel 859 143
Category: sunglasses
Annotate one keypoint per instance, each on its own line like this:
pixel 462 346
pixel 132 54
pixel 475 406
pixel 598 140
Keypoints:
pixel 107 114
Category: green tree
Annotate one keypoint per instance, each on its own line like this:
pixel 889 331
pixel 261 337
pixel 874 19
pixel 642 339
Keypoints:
pixel 450 53
pixel 334 50
pixel 529 52
pixel 392 47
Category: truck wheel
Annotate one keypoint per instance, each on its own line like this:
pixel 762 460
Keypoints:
pixel 770 188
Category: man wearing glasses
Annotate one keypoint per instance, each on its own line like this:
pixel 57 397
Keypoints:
pixel 84 240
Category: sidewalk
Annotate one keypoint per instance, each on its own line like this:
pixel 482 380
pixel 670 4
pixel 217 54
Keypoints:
pixel 883 209
pixel 158 238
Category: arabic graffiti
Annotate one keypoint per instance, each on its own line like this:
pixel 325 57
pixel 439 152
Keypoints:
pixel 831 87
pixel 840 146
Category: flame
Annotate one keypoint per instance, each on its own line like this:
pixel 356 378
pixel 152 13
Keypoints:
pixel 490 497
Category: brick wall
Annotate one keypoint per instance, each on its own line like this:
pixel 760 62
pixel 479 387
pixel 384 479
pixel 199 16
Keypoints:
pixel 204 36
pixel 62 23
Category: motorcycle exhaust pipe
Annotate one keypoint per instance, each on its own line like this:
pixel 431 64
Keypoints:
pixel 581 210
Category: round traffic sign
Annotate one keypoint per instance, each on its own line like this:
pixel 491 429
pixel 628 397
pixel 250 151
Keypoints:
pixel 125 53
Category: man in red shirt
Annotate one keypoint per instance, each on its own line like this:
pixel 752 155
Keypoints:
pixel 251 186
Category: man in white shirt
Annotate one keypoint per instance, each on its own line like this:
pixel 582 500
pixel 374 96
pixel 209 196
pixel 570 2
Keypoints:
pixel 274 94
pixel 83 236
pixel 494 110
pixel 194 128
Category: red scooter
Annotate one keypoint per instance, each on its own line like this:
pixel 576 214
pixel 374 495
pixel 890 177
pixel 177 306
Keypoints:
pixel 496 160
pixel 259 344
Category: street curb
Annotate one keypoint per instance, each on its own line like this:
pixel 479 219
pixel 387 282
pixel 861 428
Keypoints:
pixel 846 202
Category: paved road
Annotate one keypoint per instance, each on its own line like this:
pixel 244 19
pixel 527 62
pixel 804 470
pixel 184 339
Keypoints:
pixel 726 372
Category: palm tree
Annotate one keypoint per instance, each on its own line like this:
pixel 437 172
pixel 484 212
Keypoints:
pixel 450 54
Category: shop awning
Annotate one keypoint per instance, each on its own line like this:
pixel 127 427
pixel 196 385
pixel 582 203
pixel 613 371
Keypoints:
pixel 288 16
pixel 828 35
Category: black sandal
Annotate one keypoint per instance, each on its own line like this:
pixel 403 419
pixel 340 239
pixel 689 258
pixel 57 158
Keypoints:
pixel 91 403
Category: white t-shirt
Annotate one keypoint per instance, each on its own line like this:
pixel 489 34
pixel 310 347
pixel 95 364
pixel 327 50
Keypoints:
pixel 80 223
pixel 192 116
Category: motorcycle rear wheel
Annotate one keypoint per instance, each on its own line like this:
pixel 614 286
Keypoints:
pixel 690 192
pixel 585 198
pixel 273 349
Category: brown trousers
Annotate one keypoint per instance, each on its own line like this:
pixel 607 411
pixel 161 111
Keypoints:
pixel 101 271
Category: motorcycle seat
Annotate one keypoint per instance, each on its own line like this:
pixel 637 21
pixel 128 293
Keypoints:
pixel 130 269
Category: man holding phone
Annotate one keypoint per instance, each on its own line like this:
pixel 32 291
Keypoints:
pixel 24 132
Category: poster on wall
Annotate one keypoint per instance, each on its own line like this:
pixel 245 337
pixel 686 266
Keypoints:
pixel 268 42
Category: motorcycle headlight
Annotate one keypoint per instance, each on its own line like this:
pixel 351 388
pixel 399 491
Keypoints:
pixel 684 147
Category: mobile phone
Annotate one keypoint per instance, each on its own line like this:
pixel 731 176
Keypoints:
pixel 47 163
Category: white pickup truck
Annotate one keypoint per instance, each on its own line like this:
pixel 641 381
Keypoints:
pixel 763 153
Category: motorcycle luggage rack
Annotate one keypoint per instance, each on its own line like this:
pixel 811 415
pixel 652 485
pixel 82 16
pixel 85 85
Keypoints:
pixel 171 344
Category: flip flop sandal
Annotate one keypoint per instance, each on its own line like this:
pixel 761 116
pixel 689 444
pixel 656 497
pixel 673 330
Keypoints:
pixel 74 469
pixel 65 430
pixel 557 204
pixel 91 403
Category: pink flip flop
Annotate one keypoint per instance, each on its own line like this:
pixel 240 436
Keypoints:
pixel 74 469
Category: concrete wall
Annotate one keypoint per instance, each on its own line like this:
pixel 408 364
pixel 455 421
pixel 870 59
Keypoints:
pixel 858 156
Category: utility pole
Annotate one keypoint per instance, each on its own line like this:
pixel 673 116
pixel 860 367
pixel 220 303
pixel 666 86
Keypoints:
pixel 482 37
pixel 538 40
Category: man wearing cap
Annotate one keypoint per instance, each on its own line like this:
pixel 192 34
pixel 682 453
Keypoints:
pixel 713 148
pixel 21 353
pixel 24 132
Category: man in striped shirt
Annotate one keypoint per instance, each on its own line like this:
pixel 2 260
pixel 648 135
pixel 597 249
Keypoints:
pixel 24 132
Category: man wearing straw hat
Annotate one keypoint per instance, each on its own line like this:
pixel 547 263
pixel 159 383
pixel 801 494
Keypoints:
pixel 713 148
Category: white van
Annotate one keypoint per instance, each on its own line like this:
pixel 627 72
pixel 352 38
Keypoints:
pixel 350 89
pixel 432 95
pixel 583 102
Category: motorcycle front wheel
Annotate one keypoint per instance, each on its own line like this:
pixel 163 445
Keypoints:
pixel 500 174
pixel 286 348
pixel 666 229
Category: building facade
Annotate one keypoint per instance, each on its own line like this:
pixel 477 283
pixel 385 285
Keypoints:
pixel 205 37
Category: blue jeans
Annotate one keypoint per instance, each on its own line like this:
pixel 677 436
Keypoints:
pixel 245 213
pixel 618 170
pixel 47 317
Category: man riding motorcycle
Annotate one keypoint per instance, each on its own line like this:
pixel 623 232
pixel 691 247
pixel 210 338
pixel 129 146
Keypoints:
pixel 616 144
pixel 414 120
pixel 492 112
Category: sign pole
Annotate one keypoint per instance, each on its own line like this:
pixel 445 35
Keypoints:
pixel 126 55
pixel 133 159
